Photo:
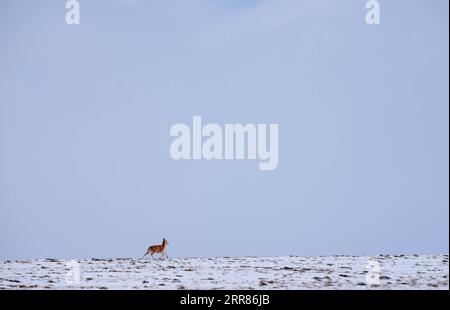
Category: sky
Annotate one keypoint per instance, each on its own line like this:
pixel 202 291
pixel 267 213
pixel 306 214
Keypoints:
pixel 86 110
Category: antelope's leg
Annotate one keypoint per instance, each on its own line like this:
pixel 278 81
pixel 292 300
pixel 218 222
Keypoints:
pixel 144 255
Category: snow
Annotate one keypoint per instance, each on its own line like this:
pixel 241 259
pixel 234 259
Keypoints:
pixel 293 272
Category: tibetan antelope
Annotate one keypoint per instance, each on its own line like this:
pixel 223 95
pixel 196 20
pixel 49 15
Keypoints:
pixel 158 249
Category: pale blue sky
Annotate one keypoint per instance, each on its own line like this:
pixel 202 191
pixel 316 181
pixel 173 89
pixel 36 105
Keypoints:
pixel 85 113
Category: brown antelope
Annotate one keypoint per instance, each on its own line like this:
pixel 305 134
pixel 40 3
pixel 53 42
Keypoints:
pixel 158 249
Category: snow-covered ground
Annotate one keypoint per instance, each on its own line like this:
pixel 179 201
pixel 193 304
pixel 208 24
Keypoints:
pixel 294 272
